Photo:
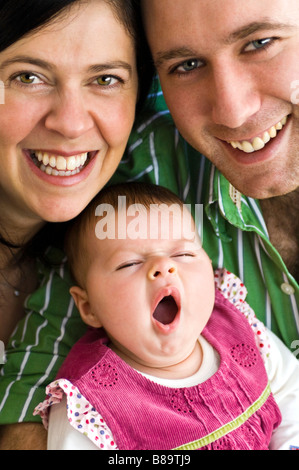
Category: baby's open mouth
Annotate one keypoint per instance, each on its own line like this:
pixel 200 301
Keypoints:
pixel 166 310
pixel 58 165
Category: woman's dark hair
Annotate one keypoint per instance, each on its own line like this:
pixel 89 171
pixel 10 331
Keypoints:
pixel 22 17
pixel 129 14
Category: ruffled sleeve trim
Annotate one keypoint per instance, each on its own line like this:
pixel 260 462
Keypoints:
pixel 81 414
pixel 234 290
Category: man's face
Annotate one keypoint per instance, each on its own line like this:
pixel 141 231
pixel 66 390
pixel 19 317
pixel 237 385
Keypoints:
pixel 230 76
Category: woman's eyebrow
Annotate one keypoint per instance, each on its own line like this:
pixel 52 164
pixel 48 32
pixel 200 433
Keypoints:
pixel 119 64
pixel 96 68
pixel 26 59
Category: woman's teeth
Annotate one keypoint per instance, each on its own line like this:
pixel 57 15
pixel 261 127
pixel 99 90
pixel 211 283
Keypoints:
pixel 259 143
pixel 57 165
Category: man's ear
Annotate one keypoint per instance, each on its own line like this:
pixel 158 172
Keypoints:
pixel 80 297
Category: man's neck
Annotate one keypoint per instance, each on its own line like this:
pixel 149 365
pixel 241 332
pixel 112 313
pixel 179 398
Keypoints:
pixel 281 215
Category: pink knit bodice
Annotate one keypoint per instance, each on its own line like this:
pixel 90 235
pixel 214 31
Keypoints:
pixel 234 409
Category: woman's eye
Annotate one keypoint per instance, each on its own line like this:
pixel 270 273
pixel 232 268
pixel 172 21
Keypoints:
pixel 107 80
pixel 28 78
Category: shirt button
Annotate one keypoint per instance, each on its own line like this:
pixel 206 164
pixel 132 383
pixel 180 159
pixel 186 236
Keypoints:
pixel 287 289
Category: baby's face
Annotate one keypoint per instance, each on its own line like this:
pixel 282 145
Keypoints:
pixel 151 287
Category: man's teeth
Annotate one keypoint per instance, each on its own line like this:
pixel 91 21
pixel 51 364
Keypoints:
pixel 57 165
pixel 259 143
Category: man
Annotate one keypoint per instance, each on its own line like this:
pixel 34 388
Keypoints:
pixel 226 72
pixel 229 75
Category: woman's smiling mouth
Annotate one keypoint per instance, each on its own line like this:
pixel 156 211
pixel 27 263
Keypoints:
pixel 59 165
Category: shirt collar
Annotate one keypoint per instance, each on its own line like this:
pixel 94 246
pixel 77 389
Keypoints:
pixel 226 203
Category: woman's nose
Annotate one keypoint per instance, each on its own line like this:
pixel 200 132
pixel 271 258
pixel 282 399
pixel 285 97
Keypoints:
pixel 69 115
pixel 161 267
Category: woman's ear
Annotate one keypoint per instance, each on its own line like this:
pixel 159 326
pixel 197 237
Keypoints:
pixel 80 297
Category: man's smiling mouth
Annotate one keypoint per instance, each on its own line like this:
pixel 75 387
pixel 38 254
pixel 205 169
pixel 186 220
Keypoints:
pixel 58 165
pixel 259 142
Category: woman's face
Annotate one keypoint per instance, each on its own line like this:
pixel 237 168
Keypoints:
pixel 69 106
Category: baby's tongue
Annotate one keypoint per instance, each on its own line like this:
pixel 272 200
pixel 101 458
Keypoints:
pixel 166 311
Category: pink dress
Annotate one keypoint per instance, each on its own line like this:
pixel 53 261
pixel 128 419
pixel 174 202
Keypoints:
pixel 234 409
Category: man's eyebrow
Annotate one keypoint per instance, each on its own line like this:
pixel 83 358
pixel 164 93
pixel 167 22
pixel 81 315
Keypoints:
pixel 175 53
pixel 97 68
pixel 256 26
pixel 241 33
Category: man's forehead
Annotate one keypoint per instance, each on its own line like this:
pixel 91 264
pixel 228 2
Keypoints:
pixel 203 26
pixel 265 12
pixel 230 38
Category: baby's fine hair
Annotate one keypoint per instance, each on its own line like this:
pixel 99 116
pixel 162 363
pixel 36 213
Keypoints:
pixel 134 193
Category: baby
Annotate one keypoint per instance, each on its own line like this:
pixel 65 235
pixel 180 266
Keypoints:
pixel 170 362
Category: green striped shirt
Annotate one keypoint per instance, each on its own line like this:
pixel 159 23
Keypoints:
pixel 233 233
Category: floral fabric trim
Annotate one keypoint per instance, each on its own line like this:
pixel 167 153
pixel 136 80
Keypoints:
pixel 81 414
pixel 234 290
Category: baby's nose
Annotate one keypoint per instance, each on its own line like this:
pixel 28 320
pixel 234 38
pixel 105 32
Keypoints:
pixel 162 267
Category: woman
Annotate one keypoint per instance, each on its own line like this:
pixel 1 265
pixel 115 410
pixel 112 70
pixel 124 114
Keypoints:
pixel 70 72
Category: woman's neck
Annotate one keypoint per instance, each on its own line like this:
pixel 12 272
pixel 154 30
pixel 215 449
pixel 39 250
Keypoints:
pixel 17 281
pixel 16 231
pixel 18 276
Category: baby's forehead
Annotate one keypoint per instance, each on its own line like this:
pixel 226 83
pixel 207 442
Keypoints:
pixel 137 221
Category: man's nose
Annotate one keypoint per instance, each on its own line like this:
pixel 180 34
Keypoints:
pixel 234 95
pixel 69 115
pixel 161 267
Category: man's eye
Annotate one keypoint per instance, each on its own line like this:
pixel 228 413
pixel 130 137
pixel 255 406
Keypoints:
pixel 259 44
pixel 189 65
